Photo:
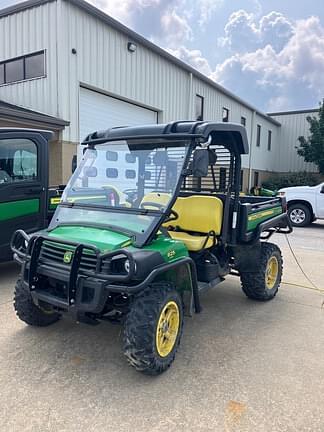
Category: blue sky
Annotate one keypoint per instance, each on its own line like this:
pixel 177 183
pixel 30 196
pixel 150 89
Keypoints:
pixel 269 52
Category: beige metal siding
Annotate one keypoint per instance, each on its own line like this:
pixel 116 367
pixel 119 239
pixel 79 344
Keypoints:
pixel 26 32
pixel 103 63
pixel 293 126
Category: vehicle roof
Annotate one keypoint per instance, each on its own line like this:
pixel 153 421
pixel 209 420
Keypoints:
pixel 231 135
pixel 48 135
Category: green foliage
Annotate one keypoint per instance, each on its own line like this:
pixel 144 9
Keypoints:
pixel 312 148
pixel 291 179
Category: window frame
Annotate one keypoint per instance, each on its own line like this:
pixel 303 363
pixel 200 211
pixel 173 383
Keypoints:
pixel 30 180
pixel 23 57
pixel 225 119
pixel 258 137
pixel 269 140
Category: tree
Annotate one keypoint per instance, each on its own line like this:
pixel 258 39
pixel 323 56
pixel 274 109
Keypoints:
pixel 312 147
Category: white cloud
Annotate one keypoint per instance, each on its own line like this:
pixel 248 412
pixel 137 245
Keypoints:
pixel 192 57
pixel 287 76
pixel 175 28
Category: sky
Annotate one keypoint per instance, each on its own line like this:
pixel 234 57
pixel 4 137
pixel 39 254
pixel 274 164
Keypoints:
pixel 268 52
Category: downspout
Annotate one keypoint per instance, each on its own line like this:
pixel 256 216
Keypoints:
pixel 251 147
pixel 190 97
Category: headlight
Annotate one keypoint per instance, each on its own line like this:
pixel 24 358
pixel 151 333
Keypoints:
pixel 281 194
pixel 127 265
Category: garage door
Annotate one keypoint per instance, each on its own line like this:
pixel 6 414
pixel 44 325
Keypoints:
pixel 100 112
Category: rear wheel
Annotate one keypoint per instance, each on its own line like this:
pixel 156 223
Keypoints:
pixel 263 284
pixel 153 329
pixel 28 312
pixel 299 215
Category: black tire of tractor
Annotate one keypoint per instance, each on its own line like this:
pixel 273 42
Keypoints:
pixel 27 311
pixel 308 215
pixel 254 283
pixel 139 341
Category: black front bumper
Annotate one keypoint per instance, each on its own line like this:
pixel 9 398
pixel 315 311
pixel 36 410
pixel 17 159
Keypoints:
pixel 77 283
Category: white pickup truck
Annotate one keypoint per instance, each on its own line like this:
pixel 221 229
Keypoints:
pixel 305 203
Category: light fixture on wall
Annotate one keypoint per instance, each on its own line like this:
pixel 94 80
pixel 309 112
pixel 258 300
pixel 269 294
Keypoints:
pixel 131 46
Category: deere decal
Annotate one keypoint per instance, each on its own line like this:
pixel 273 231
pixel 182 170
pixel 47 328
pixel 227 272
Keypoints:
pixel 67 257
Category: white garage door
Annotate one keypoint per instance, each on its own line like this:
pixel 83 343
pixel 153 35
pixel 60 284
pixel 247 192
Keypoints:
pixel 100 112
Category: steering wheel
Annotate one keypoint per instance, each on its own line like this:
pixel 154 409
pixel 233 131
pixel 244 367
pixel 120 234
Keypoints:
pixel 151 204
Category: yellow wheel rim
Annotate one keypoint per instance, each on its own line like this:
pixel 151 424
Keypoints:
pixel 271 272
pixel 167 328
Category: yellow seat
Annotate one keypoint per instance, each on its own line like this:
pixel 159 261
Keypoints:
pixel 199 215
pixel 193 243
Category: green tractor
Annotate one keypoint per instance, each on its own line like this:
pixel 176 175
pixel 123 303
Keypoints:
pixel 150 219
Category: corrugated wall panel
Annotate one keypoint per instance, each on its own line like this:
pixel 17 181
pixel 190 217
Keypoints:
pixel 293 126
pixel 26 32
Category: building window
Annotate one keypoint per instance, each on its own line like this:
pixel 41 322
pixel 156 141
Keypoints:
pixel 258 139
pixel 243 121
pixel 199 108
pixel 23 68
pixel 256 179
pixel 225 114
pixel 269 139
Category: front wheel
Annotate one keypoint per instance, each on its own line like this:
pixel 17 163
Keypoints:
pixel 299 215
pixel 28 312
pixel 153 329
pixel 263 283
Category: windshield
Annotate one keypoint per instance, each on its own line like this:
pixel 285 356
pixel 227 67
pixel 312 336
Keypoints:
pixel 123 184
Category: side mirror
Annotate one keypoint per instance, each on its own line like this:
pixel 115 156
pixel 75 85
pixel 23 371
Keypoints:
pixel 200 163
pixel 90 171
pixel 74 163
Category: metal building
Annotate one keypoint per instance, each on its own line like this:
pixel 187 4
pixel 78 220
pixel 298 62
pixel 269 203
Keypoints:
pixel 71 63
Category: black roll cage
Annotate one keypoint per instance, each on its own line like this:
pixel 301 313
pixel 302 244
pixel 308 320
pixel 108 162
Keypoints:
pixel 197 133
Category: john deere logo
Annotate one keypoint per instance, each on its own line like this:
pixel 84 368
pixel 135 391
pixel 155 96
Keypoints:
pixel 67 257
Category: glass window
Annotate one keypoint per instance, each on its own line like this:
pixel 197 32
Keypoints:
pixel 130 158
pixel 130 174
pixel 269 139
pixel 225 115
pixel 34 66
pixel 2 77
pixel 111 156
pixel 22 68
pixel 18 160
pixel 256 179
pixel 258 139
pixel 131 192
pixel 15 70
pixel 243 121
pixel 199 108
pixel 111 172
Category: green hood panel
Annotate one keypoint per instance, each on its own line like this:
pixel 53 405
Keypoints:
pixel 103 239
pixel 106 241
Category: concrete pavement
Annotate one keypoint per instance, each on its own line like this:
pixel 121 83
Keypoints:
pixel 242 365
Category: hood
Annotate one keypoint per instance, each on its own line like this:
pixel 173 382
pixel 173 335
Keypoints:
pixel 104 239
pixel 296 188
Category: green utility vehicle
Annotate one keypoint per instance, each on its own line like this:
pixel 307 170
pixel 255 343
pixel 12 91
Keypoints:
pixel 150 218
pixel 26 201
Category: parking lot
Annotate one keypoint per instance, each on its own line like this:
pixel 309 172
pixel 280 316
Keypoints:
pixel 242 365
